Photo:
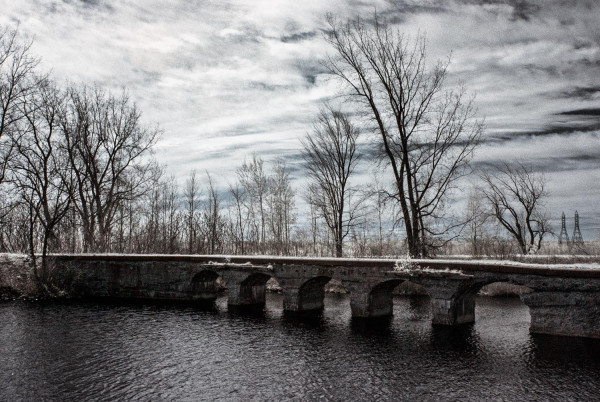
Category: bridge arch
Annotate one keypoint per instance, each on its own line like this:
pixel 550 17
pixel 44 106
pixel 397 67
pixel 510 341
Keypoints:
pixel 312 293
pixel 460 309
pixel 477 286
pixel 204 285
pixel 246 289
pixel 256 279
pixel 380 299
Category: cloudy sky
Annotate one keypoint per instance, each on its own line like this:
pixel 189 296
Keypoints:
pixel 228 78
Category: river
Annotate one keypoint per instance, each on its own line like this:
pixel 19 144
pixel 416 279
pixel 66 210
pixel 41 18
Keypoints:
pixel 109 351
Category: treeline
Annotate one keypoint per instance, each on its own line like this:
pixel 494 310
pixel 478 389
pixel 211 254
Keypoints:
pixel 72 158
pixel 78 174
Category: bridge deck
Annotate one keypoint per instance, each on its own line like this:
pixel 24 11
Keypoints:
pixel 496 266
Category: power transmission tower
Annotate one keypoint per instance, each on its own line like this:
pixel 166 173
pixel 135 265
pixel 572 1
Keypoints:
pixel 563 238
pixel 577 237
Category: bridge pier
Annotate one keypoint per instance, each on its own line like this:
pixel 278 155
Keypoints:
pixel 453 311
pixel 204 286
pixel 359 305
pixel 564 313
pixel 303 295
pixel 452 303
pixel 359 298
pixel 452 300
pixel 371 300
pixel 244 289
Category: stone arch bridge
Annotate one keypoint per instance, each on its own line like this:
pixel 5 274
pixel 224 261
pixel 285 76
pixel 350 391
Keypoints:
pixel 565 299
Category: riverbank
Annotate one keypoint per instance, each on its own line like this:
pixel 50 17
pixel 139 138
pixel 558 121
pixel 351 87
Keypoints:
pixel 17 278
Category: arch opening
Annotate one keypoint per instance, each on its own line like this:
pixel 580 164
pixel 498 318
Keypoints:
pixel 273 285
pixel 381 298
pixel 252 291
pixel 488 297
pixel 311 294
pixel 205 285
pixel 414 300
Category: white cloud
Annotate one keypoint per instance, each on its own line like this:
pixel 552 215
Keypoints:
pixel 228 78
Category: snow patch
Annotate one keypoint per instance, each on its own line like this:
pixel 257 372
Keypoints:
pixel 412 267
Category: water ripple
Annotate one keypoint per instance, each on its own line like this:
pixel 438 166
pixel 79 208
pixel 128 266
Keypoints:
pixel 89 351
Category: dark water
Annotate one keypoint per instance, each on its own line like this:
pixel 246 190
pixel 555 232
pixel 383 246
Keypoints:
pixel 90 351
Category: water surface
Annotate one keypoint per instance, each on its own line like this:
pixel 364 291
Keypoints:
pixel 99 351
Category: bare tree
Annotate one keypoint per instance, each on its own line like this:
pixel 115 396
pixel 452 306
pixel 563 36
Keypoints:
pixel 281 205
pixel 254 180
pixel 170 217
pixel 242 215
pixel 17 81
pixel 14 229
pixel 150 234
pixel 213 219
pixel 330 156
pixel 108 150
pixel 516 197
pixel 426 134
pixel 476 218
pixel 314 226
pixel 378 195
pixel 40 174
pixel 192 203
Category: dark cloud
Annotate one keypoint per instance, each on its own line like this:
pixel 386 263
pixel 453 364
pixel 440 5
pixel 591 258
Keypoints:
pixel 521 9
pixel 398 11
pixel 414 7
pixel 146 77
pixel 84 4
pixel 584 93
pixel 299 36
pixel 547 166
pixel 91 3
pixel 566 129
pixel 237 131
pixel 267 86
pixel 552 71
pixel 310 69
pixel 582 112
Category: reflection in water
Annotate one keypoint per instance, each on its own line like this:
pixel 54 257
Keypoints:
pixel 419 308
pixel 372 327
pixel 255 311
pixel 548 348
pixel 75 351
pixel 305 319
pixel 462 339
